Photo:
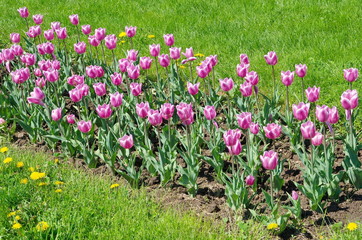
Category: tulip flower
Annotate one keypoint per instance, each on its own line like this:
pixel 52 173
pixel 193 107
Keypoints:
pixel 131 31
pixel 193 89
pixel 49 34
pixel 272 130
pixel 116 99
pixel 301 111
pixel 169 39
pixel 100 33
pixel 74 19
pixel 231 137
pixel 116 78
pixel 61 33
pixel 136 88
pixel 70 118
pixel 209 112
pixel 333 116
pixel 20 76
pixel 75 95
pixel 126 141
pixel 100 89
pixel 80 47
pixel 249 180
pixel 226 84
pixel 349 99
pixel 271 58
pixel 175 53
pixel 111 41
pixel 322 113
pixel 40 82
pixel 244 120
pixel 104 111
pixel 287 78
pixel 185 113
pixel 244 59
pixel 203 71
pixel 55 25
pixel 188 53
pixel 8 54
pixel 123 64
pixel 93 41
pixel 154 117
pixel 51 75
pixel 132 55
pixel 246 89
pixel 75 80
pixel 301 70
pixel 167 110
pixel 38 72
pixel 38 19
pixel 295 195
pixel 142 109
pixel 86 29
pixel 235 149
pixel 83 88
pixel 254 128
pixel 24 13
pixel 350 74
pixel 269 160
pixel 164 60
pixel 15 37
pixel 317 139
pixel 36 96
pixel 145 62
pixel 56 114
pixel 133 71
pixel 252 77
pixel 312 93
pixel 308 130
pixel 44 65
pixel 84 126
pixel 154 50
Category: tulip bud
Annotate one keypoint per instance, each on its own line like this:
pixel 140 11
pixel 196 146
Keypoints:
pixel 57 114
pixel 74 19
pixel 116 78
pixel 301 70
pixel 322 113
pixel 308 130
pixel 317 139
pixel 86 29
pixel 24 13
pixel 116 99
pixel 349 99
pixel 249 180
pixel 38 19
pixel 167 110
pixel 244 120
pixel 154 117
pixel 71 118
pixel 269 160
pixel 235 149
pixel 242 69
pixel 100 33
pixel 287 78
pixel 145 62
pixel 254 128
pixel 126 141
pixel 301 111
pixel 333 116
pixel 104 111
pixel 350 74
pixel 246 89
pixel 312 94
pixel 209 112
pixel 84 126
pixel 185 113
pixel 142 109
pixel 271 58
pixel 133 71
pixel 193 89
pixel 131 31
pixel 136 88
pixel 226 84
pixel 175 53
pixel 80 47
pixel 154 50
pixel 295 195
pixel 164 60
pixel 169 39
pixel 244 59
pixel 15 37
pixel 231 137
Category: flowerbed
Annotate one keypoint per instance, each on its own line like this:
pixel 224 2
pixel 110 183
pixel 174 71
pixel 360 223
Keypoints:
pixel 172 123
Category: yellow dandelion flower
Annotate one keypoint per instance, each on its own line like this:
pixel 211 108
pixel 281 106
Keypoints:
pixel 11 214
pixel 58 183
pixel 8 159
pixel 24 181
pixel 31 169
pixel 123 41
pixel 42 184
pixel 16 226
pixel 19 164
pixel 56 161
pixel 199 55
pixel 17 217
pixel 4 149
pixel 272 226
pixel 352 226
pixel 115 185
pixel 58 190
pixel 36 175
pixel 182 67
pixel 42 226
pixel 122 34
pixel 151 36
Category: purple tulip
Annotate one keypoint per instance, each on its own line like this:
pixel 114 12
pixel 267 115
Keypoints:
pixel 235 149
pixel 175 53
pixel 349 99
pixel 116 78
pixel 84 126
pixel 136 88
pixel 246 89
pixel 104 111
pixel 271 58
pixel 272 130
pixel 86 29
pixel 145 62
pixel 188 53
pixel 49 34
pixel 209 112
pixel 55 25
pixel 61 33
pixel 74 19
pixel 252 77
pixel 333 116
pixel 254 128
pixel 51 75
pixel 295 195
pixel 111 41
pixel 123 64
pixel 154 117
pixel 322 113
pixel 301 111
pixel 142 109
pixel 100 89
pixel 308 130
pixel 38 19
pixel 203 71
pixel 20 76
pixel 70 118
pixel 249 180
pixel 317 139
pixel 154 50
pixel 287 78
pixel 131 31
pixel 116 99
pixel 312 93
pixel 350 74
pixel 80 47
pixel 167 110
pixel 93 41
pixel 185 113
pixel 126 141
pixel 244 120
pixel 56 114
pixel 231 137
pixel 75 80
pixel 244 59
pixel 169 39
pixel 15 37
pixel 75 95
pixel 301 70
pixel 164 60
pixel 132 55
pixel 193 89
pixel 269 160
pixel 36 96
pixel 40 82
pixel 226 84
pixel 100 33
pixel 24 13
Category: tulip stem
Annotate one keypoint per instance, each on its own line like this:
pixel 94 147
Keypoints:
pixel 158 76
pixel 78 32
pixel 191 80
pixel 303 89
pixel 229 107
pixel 248 145
pixel 131 41
pixel 159 138
pixel 287 107
pixel 350 85
pixel 351 129
pixel 169 130
pixel 97 53
pixel 188 128
pixel 104 56
pixel 273 73
pixel 66 51
pixel 324 142
pixel 146 133
pixel 27 24
pixel 271 186
pixel 114 60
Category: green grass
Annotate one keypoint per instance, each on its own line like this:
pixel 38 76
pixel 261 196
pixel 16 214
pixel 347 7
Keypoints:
pixel 87 208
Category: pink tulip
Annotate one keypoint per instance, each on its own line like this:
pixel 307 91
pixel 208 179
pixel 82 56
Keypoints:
pixel 349 99
pixel 249 180
pixel 271 58
pixel 116 99
pixel 74 19
pixel 226 84
pixel 61 33
pixel 70 118
pixel 317 139
pixel 56 114
pixel 193 89
pixel 333 116
pixel 84 126
pixel 94 71
pixel 185 113
pixel 126 141
pixel 272 130
pixel 269 160
pixel 175 53
pixel 136 88
pixel 17 50
pixel 244 120
pixel 244 59
pixel 44 65
pixel 312 94
pixel 100 89
pixel 100 33
pixel 164 60
pixel 287 78
pixel 301 70
pixel 49 34
pixel 38 72
pixel 308 130
pixel 93 41
pixel 188 53
pixel 51 75
pixel 75 80
pixel 189 60
pixel 116 78
pixel 145 62
pixel 322 113
pixel 301 111
pixel 154 50
pixel 203 71
pixel 40 82
pixel 83 88
pixel 20 75
pixel 235 149
pixel 55 25
pixel 209 112
pixel 8 54
pixel 295 195
pixel 133 71
pixel 242 69
pixel 142 109
pixel 154 117
pixel 104 111
pixel 132 55
pixel 24 13
pixel 111 41
pixel 231 137
pixel 131 31
pixel 123 64
pixel 86 29
pixel 254 128
pixel 33 31
pixel 246 89
pixel 75 95
pixel 2 121
pixel 37 93
pixel 80 47
pixel 350 74
pixel 169 39
pixel 252 77
pixel 15 37
pixel 38 19
pixel 167 110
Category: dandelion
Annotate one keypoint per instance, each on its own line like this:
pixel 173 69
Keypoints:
pixel 199 55
pixel 11 214
pixel 42 184
pixel 151 36
pixel 272 226
pixel 36 175
pixel 16 226
pixel 58 190
pixel 56 161
pixel 42 226
pixel 31 169
pixel 114 185
pixel 24 181
pixel 122 34
pixel 58 183
pixel 8 159
pixel 182 66
pixel 17 218
pixel 4 149
pixel 19 164
pixel 352 226
pixel 123 41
